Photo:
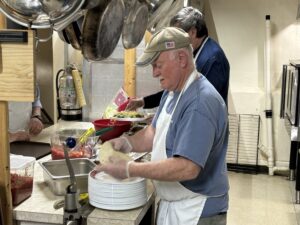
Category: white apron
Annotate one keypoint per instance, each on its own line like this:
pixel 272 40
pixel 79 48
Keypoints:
pixel 19 115
pixel 178 205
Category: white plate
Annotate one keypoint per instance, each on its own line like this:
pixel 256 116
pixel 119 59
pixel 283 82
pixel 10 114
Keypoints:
pixel 117 201
pixel 118 206
pixel 104 178
pixel 115 190
pixel 129 119
pixel 114 194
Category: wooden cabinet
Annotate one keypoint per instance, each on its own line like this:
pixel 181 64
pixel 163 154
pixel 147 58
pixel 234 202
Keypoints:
pixel 17 83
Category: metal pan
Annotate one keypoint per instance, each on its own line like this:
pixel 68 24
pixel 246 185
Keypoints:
pixel 135 25
pixel 73 35
pixel 102 28
pixel 41 14
pixel 89 4
pixel 128 5
pixel 165 20
pixel 158 14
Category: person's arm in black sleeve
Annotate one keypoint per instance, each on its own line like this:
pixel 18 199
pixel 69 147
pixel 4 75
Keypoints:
pixel 152 101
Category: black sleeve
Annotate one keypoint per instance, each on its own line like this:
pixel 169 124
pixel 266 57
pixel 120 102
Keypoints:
pixel 152 101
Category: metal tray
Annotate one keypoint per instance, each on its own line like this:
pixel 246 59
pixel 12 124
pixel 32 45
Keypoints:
pixel 56 174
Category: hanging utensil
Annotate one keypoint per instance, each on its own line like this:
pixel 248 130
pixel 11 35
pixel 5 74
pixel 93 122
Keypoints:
pixel 73 34
pixel 158 14
pixel 102 29
pixel 41 14
pixel 168 14
pixel 89 4
pixel 135 25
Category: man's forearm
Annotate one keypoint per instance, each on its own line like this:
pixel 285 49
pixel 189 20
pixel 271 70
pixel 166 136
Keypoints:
pixel 171 169
pixel 142 141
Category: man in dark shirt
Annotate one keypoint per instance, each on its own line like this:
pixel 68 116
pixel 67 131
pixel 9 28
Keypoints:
pixel 208 55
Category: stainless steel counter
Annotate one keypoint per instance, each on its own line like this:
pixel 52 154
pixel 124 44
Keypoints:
pixel 38 209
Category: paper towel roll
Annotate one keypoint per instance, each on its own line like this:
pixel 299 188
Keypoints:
pixel 78 88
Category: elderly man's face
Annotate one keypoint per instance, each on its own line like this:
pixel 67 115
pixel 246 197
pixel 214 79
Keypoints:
pixel 167 69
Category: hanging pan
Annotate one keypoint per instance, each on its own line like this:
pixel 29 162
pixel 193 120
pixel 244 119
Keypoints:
pixel 158 14
pixel 135 25
pixel 71 34
pixel 165 20
pixel 102 28
pixel 41 14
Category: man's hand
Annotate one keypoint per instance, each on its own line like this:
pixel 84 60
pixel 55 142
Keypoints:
pixel 116 167
pixel 134 104
pixel 19 136
pixel 35 126
pixel 121 144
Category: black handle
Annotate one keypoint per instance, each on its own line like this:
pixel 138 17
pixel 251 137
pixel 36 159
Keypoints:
pixel 13 36
pixel 283 90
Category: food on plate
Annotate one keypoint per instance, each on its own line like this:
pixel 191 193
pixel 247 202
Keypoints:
pixel 106 151
pixel 128 114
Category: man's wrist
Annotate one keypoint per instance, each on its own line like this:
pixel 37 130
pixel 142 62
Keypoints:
pixel 39 117
pixel 143 102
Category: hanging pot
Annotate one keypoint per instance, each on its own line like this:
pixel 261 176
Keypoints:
pixel 102 28
pixel 168 14
pixel 135 25
pixel 89 4
pixel 158 14
pixel 63 36
pixel 41 14
pixel 72 34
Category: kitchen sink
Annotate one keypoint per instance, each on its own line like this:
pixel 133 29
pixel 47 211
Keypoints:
pixel 56 174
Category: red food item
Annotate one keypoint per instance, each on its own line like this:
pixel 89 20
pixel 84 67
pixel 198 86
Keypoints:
pixel 123 106
pixel 21 187
pixel 57 152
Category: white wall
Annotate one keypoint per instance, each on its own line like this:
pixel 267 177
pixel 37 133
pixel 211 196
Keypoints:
pixel 239 26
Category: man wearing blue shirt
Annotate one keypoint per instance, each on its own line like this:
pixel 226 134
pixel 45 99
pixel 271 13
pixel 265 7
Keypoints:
pixel 187 138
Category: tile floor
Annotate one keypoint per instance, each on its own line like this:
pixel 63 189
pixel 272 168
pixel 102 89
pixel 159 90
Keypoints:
pixel 262 200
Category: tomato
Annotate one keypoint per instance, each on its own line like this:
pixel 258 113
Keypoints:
pixel 57 152
pixel 21 187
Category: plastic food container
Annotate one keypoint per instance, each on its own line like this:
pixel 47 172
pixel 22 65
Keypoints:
pixel 87 150
pixel 21 175
pixel 119 127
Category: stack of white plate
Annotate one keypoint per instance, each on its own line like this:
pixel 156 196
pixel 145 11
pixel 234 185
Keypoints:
pixel 106 192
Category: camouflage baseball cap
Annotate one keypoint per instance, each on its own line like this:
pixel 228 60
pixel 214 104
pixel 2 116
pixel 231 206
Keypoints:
pixel 164 40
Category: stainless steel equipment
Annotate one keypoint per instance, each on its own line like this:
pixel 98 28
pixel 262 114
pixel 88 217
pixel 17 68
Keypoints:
pixel 41 14
pixel 67 102
pixel 57 176
pixel 102 21
pixel 290 111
